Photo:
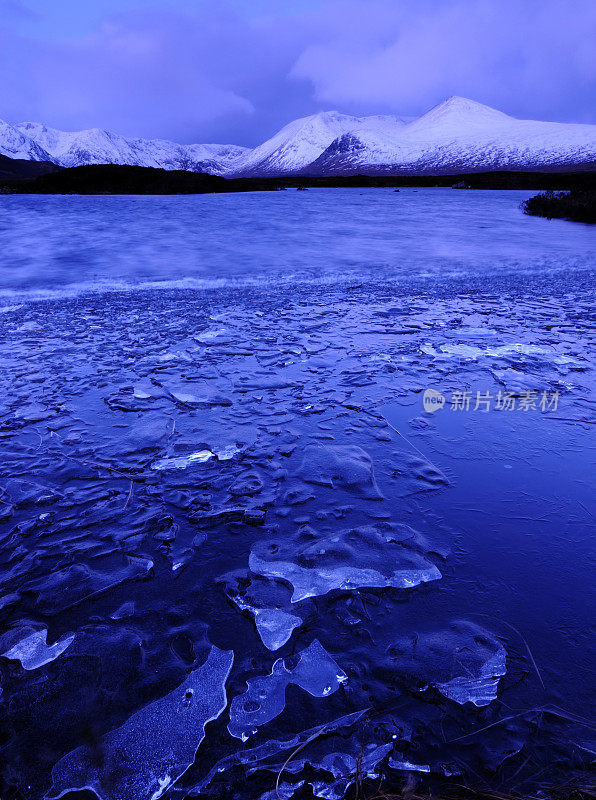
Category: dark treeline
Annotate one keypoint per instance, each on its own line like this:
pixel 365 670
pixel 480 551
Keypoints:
pixel 117 179
pixel 12 169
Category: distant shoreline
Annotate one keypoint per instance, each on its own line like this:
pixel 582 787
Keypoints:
pixel 111 179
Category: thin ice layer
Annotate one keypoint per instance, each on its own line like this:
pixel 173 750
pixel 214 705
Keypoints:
pixel 266 601
pixel 316 672
pixel 480 690
pixel 378 555
pixel 32 649
pixel 258 758
pixel 347 768
pixel 181 462
pixel 463 662
pixel 63 588
pixel 275 626
pixel 156 745
pixel 407 766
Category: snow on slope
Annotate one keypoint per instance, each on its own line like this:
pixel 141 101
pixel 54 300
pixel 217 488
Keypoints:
pixel 461 136
pixel 36 141
pixel 302 141
pixel 458 135
pixel 15 145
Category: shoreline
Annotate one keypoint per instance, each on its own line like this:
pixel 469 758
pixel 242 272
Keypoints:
pixel 110 179
pixel 573 206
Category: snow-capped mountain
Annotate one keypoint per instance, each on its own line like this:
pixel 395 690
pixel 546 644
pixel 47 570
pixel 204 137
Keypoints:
pixel 37 142
pixel 14 144
pixel 302 141
pixel 460 136
pixel 456 136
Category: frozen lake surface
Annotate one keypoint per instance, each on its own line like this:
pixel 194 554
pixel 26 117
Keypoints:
pixel 230 525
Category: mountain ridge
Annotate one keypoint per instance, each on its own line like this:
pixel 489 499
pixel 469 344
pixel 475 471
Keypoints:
pixel 39 142
pixel 457 135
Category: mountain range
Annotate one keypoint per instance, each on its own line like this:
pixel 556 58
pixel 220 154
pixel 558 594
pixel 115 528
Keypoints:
pixel 457 136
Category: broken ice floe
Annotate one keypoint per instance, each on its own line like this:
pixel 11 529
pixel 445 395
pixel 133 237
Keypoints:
pixel 275 626
pixel 380 555
pixel 347 761
pixel 24 494
pixel 472 352
pixel 181 462
pixel 266 600
pixel 352 763
pixel 532 357
pixel 194 393
pixel 126 610
pixel 198 457
pixel 156 745
pixel 480 690
pixel 407 766
pixel 347 768
pixel 347 466
pixel 31 648
pixel 316 672
pixel 261 757
pixel 464 662
pixel 215 336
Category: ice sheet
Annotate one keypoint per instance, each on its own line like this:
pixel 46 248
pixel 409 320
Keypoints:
pixel 32 650
pixel 316 672
pixel 463 662
pixel 155 746
pixel 380 555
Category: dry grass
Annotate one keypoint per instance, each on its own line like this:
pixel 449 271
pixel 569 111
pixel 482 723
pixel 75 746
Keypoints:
pixel 460 792
pixel 360 790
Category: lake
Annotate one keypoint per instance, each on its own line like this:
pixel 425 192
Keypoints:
pixel 295 470
pixel 53 242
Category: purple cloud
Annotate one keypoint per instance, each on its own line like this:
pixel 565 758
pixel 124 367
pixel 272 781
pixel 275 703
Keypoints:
pixel 231 71
pixel 529 59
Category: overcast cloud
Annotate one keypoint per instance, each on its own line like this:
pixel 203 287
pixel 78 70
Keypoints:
pixel 236 71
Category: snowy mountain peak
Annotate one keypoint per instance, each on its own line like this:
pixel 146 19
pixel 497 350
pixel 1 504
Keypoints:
pixel 314 124
pixel 38 142
pixel 463 105
pixel 15 144
pixel 302 141
pixel 458 135
pixel 33 127
pixel 297 144
pixel 460 111
pixel 327 117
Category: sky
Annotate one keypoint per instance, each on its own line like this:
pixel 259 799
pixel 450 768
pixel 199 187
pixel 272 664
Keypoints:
pixel 235 71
